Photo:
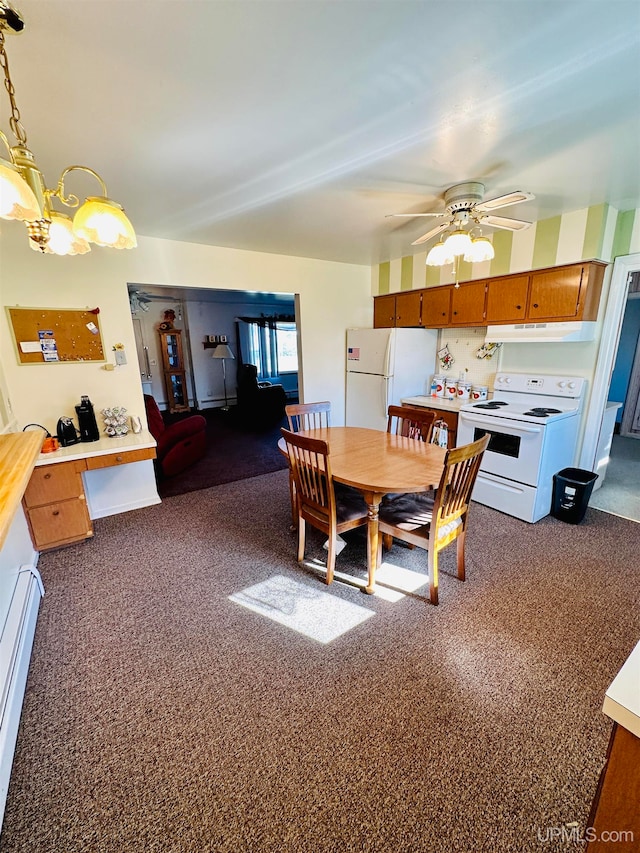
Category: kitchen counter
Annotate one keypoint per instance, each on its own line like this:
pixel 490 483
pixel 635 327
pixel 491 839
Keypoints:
pixel 18 454
pixel 435 403
pixel 622 699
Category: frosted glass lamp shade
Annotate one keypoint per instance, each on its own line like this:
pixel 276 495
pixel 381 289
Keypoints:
pixel 62 238
pixel 222 351
pixel 481 250
pixel 439 256
pixel 458 243
pixel 17 200
pixel 103 222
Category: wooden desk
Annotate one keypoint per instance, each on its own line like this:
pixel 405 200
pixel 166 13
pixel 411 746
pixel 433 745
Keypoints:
pixel 55 502
pixel 377 463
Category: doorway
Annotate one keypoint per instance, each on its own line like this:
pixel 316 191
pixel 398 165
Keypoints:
pixel 620 490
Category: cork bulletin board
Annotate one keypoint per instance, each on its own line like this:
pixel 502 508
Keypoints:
pixel 56 335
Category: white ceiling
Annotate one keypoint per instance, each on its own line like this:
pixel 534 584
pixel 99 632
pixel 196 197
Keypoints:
pixel 296 126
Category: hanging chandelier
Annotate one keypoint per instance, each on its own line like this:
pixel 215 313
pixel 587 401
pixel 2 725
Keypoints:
pixel 24 194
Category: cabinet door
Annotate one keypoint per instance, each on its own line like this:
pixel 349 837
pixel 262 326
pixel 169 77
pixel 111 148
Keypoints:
pixel 507 299
pixel 436 306
pixel 177 391
pixel 555 294
pixel 384 312
pixel 171 345
pixel 467 304
pixel 409 308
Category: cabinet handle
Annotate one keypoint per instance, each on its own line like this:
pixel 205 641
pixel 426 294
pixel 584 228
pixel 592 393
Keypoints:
pixel 518 307
pixel 47 476
pixel 535 304
pixel 56 512
pixel 118 458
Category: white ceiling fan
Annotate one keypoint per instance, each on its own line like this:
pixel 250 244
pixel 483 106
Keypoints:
pixel 464 206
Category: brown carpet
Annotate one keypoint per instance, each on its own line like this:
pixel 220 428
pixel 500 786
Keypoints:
pixel 160 715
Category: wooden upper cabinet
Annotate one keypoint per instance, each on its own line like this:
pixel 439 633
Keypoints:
pixel 566 293
pixel 468 304
pixel 398 309
pixel 409 308
pixel 507 299
pixel 436 306
pixel 384 312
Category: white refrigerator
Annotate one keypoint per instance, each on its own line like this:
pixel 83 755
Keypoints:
pixel 383 366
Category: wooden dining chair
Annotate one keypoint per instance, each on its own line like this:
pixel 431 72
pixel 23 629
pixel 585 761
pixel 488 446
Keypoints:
pixel 318 501
pixel 302 416
pixel 412 422
pixel 435 522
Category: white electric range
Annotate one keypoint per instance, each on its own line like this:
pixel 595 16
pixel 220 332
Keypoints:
pixel 533 421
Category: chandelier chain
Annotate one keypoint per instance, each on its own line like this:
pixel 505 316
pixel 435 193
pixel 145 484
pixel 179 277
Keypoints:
pixel 14 122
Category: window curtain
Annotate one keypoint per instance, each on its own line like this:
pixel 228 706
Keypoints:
pixel 256 342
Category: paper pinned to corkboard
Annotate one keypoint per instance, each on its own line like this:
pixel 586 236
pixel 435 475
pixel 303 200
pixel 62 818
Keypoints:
pixel 56 335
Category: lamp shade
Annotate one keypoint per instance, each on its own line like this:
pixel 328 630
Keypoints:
pixel 222 351
pixel 17 200
pixel 62 238
pixel 439 256
pixel 481 249
pixel 103 222
pixel 458 243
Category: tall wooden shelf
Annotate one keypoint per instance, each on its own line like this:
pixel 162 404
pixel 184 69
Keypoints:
pixel 173 367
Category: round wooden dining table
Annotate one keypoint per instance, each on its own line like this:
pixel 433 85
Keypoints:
pixel 377 463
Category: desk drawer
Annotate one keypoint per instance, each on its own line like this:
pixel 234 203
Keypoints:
pixel 109 460
pixel 56 482
pixel 59 523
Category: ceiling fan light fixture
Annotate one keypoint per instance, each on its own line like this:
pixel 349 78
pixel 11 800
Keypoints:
pixel 481 249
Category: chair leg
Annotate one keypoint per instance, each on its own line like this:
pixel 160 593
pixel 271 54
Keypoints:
pixel 387 541
pixel 331 558
pixel 460 556
pixel 294 503
pixel 301 538
pixel 433 574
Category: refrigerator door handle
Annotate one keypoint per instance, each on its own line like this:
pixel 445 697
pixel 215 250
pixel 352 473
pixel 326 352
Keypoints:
pixel 387 356
pixel 385 396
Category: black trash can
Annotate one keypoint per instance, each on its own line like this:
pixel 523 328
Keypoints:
pixel 572 489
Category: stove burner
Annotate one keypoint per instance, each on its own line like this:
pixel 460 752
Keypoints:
pixel 492 404
pixel 544 410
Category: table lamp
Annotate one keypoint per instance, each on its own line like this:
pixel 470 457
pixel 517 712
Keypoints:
pixel 222 351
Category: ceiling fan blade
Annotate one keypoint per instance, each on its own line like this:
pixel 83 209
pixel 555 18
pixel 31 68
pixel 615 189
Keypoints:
pixel 504 200
pixel 442 227
pixel 504 222
pixel 414 214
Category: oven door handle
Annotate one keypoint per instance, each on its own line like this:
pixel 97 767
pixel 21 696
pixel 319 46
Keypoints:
pixel 495 427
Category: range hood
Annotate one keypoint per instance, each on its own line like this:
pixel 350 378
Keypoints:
pixel 525 333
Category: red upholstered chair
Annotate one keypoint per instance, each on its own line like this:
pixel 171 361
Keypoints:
pixel 180 444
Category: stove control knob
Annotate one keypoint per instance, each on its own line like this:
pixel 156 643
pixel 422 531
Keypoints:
pixel 562 384
pixel 572 385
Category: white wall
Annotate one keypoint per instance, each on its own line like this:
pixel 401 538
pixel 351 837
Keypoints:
pixel 333 296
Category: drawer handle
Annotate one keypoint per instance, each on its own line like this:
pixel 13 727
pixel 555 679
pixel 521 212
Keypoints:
pixel 118 458
pixel 47 476
pixel 56 512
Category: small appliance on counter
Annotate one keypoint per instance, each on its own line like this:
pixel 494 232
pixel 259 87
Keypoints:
pixel 87 420
pixel 67 433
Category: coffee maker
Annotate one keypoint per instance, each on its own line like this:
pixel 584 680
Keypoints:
pixel 87 420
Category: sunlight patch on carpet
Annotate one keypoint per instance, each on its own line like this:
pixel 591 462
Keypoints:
pixel 310 611
pixel 394 582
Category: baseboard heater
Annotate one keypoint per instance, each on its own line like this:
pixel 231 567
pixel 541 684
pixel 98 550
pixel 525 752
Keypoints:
pixel 15 652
